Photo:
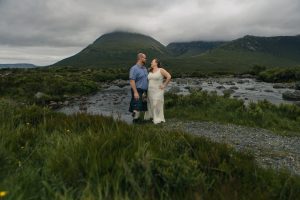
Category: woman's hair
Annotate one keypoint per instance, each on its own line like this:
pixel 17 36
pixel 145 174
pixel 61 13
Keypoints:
pixel 158 64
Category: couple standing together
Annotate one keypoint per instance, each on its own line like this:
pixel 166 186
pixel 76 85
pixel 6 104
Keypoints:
pixel 147 89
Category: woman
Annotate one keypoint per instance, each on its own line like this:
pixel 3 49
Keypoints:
pixel 158 79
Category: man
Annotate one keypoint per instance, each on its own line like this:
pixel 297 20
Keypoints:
pixel 138 77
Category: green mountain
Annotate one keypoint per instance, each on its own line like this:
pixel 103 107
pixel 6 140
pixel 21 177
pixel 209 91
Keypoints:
pixel 117 49
pixel 241 54
pixel 192 48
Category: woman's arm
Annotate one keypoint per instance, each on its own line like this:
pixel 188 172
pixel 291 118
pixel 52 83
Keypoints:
pixel 168 77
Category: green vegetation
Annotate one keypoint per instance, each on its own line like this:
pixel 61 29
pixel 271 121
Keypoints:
pixel 56 84
pixel 119 49
pixel 280 75
pixel 47 155
pixel 283 119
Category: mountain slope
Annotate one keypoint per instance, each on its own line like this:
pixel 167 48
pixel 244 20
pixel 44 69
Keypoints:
pixel 241 54
pixel 280 46
pixel 117 49
pixel 17 65
pixel 192 48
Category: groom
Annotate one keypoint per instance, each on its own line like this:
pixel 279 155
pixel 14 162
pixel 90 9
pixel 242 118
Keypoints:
pixel 138 77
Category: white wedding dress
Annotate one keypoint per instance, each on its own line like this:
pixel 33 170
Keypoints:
pixel 155 98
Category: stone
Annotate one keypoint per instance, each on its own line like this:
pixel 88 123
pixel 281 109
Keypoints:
pixel 53 105
pixel 247 76
pixel 268 90
pixel 228 92
pixel 220 87
pixel 195 89
pixel 241 81
pixel 39 95
pixel 234 88
pixel 174 89
pixel 181 81
pixel 291 96
pixel 279 86
pixel 297 103
pixel 297 86
pixel 229 83
pixel 250 88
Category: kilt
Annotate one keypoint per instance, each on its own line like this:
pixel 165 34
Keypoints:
pixel 139 105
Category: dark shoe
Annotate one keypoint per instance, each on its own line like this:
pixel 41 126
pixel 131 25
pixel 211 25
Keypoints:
pixel 133 114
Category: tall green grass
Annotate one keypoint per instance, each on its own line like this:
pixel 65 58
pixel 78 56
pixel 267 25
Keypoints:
pixel 203 106
pixel 47 155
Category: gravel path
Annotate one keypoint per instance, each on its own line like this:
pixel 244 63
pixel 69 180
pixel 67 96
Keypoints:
pixel 269 149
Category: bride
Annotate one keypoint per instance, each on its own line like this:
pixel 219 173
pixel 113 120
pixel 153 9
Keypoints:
pixel 158 80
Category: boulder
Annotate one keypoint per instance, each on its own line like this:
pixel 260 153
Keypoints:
pixel 291 96
pixel 229 83
pixel 228 92
pixel 241 81
pixel 39 95
pixel 247 76
pixel 53 105
pixel 174 89
pixel 280 85
pixel 181 81
pixel 234 88
pixel 297 86
pixel 66 103
pixel 268 90
pixel 195 89
pixel 220 87
pixel 250 88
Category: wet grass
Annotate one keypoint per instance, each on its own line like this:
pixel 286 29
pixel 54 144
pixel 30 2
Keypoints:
pixel 48 155
pixel 203 106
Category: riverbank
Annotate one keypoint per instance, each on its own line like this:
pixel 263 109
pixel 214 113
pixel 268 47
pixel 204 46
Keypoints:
pixel 49 155
pixel 270 150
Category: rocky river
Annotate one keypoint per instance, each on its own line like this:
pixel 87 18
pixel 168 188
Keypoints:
pixel 269 149
pixel 114 99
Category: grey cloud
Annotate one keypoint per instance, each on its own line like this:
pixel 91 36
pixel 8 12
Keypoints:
pixel 70 25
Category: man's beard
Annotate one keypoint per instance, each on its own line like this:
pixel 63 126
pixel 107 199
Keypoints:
pixel 144 62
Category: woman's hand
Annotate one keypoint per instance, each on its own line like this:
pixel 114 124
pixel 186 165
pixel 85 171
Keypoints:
pixel 162 87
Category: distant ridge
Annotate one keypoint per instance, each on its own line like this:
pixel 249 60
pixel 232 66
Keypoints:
pixel 17 65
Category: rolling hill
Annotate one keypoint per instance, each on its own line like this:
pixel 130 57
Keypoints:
pixel 119 49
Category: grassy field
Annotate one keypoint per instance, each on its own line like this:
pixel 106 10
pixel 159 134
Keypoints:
pixel 203 106
pixel 55 83
pixel 48 155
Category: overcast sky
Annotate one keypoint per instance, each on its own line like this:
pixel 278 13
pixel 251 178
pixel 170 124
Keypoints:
pixel 43 32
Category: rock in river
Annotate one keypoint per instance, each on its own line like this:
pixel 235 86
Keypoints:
pixel 297 86
pixel 292 96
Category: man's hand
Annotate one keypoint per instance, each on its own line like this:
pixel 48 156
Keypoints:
pixel 136 96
